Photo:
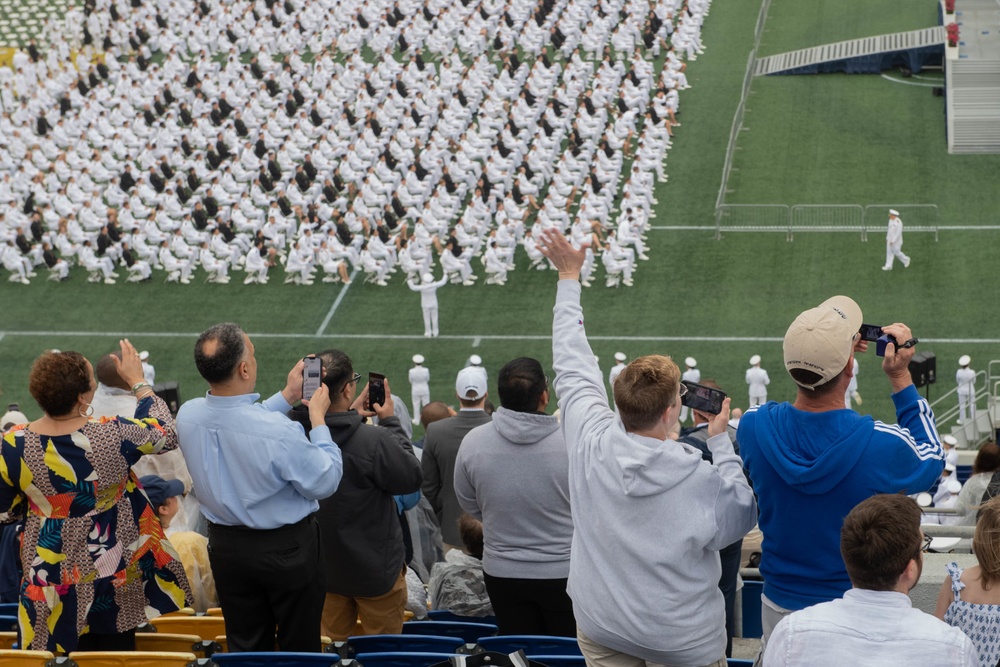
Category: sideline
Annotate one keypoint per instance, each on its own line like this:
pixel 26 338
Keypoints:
pixel 912 83
pixel 336 304
pixel 459 337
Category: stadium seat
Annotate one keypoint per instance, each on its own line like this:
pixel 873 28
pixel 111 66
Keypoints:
pixel 171 642
pixel 11 658
pixel 213 611
pixel 8 640
pixel 468 632
pixel 403 643
pixel 750 593
pixel 401 659
pixel 963 473
pixel 531 644
pixel 8 622
pixel 206 627
pixel 560 660
pixel 445 615
pixel 9 608
pixel 275 659
pixel 129 659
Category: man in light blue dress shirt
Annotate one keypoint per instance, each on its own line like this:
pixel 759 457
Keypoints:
pixel 259 480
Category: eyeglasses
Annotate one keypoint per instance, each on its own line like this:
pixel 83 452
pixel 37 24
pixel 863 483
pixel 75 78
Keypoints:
pixel 546 380
pixel 683 390
pixel 927 543
pixel 357 376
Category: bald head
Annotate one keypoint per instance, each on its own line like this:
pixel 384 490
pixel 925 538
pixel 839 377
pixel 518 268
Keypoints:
pixel 433 412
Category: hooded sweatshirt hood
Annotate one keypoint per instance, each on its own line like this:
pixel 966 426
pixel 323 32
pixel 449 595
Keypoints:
pixel 524 428
pixel 805 450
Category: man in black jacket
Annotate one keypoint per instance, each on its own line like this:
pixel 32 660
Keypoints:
pixel 362 538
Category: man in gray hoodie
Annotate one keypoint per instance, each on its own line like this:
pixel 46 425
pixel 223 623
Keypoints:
pixel 649 515
pixel 513 475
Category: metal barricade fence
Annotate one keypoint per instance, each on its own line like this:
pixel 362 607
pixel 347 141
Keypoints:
pixel 751 218
pixel 915 217
pixel 827 218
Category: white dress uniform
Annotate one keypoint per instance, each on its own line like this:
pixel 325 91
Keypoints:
pixel 965 378
pixel 420 389
pixel 428 301
pixel 758 380
pixel 894 242
pixel 691 374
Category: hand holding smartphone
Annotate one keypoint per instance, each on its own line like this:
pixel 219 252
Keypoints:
pixel 376 390
pixel 702 398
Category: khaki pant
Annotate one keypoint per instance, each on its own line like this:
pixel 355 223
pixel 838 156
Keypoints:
pixel 381 615
pixel 602 656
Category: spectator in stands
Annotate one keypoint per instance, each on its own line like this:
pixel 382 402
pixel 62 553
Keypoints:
pixel 634 492
pixel 69 477
pixel 513 475
pixel 113 397
pixel 457 584
pixel 875 622
pixel 441 444
pixel 983 468
pixel 365 564
pixel 813 460
pixel 729 556
pixel 259 480
pixel 970 598
pixel 165 496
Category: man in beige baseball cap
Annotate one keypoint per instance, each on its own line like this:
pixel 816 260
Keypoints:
pixel 811 461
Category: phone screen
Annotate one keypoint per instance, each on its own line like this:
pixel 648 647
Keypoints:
pixel 376 389
pixel 870 332
pixel 312 376
pixel 703 399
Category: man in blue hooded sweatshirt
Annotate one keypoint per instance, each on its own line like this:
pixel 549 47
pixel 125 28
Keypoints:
pixel 813 460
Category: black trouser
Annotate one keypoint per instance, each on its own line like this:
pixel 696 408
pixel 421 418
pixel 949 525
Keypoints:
pixel 531 606
pixel 120 641
pixel 269 582
pixel 730 557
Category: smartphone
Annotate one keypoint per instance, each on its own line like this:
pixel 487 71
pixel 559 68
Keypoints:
pixel 376 389
pixel 312 376
pixel 870 332
pixel 702 398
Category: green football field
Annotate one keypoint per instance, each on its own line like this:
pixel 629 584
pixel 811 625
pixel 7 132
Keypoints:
pixel 833 139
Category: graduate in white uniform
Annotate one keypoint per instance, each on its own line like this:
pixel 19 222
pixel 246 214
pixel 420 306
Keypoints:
pixel 894 242
pixel 852 388
pixel 691 374
pixel 428 288
pixel 420 388
pixel 965 378
pixel 616 370
pixel 758 380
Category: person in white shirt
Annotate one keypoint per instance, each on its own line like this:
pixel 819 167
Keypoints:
pixel 965 378
pixel 428 303
pixel 894 242
pixel 875 621
pixel 758 380
pixel 420 389
pixel 616 370
pixel 691 374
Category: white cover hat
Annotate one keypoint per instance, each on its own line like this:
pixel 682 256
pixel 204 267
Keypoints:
pixel 620 356
pixel 143 355
pixel 893 211
pixel 690 362
pixel 949 440
pixel 754 360
pixel 476 360
pixel 418 358
pixel 964 360
pixel 427 278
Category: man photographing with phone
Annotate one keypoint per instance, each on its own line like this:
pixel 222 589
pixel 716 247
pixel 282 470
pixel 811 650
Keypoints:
pixel 813 460
pixel 259 479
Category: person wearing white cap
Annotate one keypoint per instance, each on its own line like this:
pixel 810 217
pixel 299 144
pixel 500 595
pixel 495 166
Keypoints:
pixel 616 370
pixel 758 380
pixel 428 301
pixel 441 445
pixel 13 417
pixel 950 453
pixel 147 368
pixel 894 242
pixel 813 460
pixel 420 388
pixel 691 374
pixel 965 378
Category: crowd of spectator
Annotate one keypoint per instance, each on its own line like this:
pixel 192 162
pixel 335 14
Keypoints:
pixel 338 137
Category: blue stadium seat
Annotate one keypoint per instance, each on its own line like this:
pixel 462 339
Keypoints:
pixel 963 473
pixel 468 632
pixel 560 660
pixel 751 608
pixel 8 623
pixel 404 643
pixel 401 659
pixel 445 615
pixel 531 644
pixel 276 659
pixel 9 608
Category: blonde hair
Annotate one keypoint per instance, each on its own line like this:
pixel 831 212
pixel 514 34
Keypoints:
pixel 986 543
pixel 645 389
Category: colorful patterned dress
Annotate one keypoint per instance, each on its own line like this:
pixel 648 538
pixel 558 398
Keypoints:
pixel 94 555
pixel 980 622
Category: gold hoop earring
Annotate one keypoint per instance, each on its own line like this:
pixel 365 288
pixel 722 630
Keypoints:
pixel 89 413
